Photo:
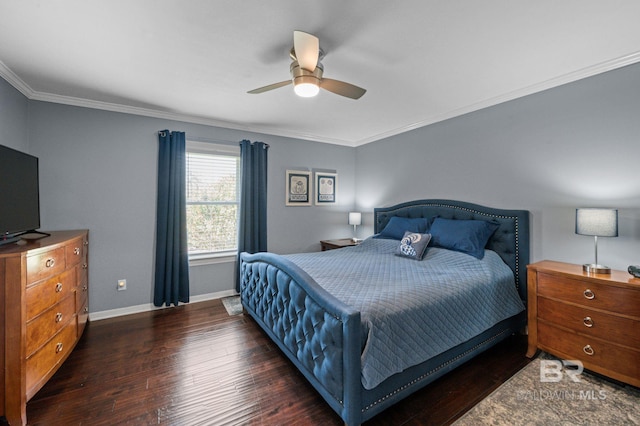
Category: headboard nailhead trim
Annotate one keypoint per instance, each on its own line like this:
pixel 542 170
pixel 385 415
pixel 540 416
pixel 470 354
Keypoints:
pixel 451 206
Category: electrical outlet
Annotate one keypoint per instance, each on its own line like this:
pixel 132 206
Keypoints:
pixel 122 285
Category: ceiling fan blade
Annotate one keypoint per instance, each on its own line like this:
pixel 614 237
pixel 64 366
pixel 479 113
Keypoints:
pixel 307 48
pixel 269 87
pixel 341 88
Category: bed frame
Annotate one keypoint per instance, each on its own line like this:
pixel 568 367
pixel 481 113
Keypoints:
pixel 321 335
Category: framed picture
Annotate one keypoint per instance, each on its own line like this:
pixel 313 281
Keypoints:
pixel 326 187
pixel 298 188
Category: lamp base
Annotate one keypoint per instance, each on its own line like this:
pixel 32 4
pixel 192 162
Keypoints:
pixel 594 268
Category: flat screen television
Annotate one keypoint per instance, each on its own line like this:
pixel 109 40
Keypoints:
pixel 19 194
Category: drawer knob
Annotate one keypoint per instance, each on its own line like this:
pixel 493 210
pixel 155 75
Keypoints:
pixel 588 294
pixel 84 288
pixel 76 251
pixel 59 348
pixel 86 309
pixel 50 262
pixel 588 322
pixel 588 350
pixel 59 317
pixel 58 287
pixel 85 266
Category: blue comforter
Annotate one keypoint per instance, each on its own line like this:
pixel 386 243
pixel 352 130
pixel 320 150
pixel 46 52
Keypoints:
pixel 413 310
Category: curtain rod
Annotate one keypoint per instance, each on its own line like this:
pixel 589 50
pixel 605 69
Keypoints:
pixel 207 140
pixel 266 145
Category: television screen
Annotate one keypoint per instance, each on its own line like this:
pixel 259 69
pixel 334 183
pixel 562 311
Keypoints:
pixel 19 196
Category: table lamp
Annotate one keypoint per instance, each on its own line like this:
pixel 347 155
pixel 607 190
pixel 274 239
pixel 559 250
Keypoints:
pixel 599 223
pixel 355 219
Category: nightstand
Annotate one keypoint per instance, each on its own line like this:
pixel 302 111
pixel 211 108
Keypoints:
pixel 336 244
pixel 593 318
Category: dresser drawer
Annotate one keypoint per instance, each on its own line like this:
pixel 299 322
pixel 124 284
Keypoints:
pixel 595 354
pixel 83 273
pixel 623 331
pixel 82 302
pixel 590 294
pixel 45 265
pixel 82 317
pixel 44 294
pixel 74 252
pixel 46 325
pixel 40 364
pixel 82 293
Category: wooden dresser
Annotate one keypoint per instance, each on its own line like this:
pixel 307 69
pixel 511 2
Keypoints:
pixel 593 318
pixel 44 304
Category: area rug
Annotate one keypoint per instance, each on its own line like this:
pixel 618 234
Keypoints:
pixel 233 305
pixel 554 397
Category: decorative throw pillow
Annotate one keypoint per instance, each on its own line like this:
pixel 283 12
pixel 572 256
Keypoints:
pixel 397 226
pixel 466 236
pixel 413 245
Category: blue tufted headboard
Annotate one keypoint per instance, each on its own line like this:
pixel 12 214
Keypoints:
pixel 510 241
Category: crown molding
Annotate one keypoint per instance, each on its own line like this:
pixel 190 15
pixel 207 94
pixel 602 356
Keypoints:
pixel 27 91
pixel 15 81
pixel 167 115
pixel 535 88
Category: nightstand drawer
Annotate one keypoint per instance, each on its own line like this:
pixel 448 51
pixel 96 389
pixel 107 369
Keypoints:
pixel 623 331
pixel 597 355
pixel 590 294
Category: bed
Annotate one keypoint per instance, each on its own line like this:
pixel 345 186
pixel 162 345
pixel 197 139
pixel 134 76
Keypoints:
pixel 368 326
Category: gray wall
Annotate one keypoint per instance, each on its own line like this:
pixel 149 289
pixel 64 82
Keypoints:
pixel 13 118
pixel 573 146
pixel 98 171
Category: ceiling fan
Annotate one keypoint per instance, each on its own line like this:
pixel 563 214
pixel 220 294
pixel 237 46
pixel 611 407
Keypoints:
pixel 306 71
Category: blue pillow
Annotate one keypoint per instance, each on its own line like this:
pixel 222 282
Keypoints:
pixel 413 245
pixel 466 236
pixel 397 226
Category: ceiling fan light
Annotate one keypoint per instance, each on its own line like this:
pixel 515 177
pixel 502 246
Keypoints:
pixel 306 90
pixel 306 86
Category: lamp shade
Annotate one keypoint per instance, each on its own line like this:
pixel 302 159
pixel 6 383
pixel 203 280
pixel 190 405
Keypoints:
pixel 597 222
pixel 355 218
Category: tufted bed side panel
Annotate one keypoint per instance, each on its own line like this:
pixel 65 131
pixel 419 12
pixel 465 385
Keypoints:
pixel 284 300
pixel 510 240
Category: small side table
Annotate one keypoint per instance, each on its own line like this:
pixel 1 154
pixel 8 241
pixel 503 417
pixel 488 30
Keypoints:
pixel 336 244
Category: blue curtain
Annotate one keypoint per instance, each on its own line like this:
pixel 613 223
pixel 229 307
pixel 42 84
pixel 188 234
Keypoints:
pixel 252 227
pixel 172 260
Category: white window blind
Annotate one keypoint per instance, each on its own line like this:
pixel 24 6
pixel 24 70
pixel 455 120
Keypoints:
pixel 212 198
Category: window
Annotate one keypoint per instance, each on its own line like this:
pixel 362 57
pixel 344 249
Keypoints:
pixel 213 198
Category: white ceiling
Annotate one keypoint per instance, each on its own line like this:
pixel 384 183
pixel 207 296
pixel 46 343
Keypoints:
pixel 421 61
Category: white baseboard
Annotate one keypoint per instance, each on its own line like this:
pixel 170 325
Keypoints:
pixel 111 313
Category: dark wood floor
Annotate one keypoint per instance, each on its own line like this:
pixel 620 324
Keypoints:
pixel 196 365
